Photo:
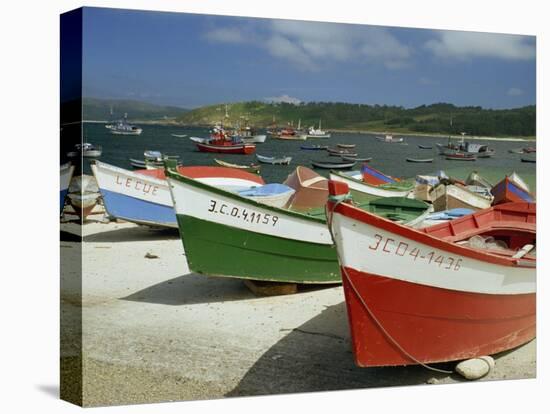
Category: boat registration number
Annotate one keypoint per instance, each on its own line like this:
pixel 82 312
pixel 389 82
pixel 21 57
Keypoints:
pixel 401 248
pixel 242 213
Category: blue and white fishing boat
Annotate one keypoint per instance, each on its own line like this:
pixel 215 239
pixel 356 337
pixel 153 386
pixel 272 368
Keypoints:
pixel 66 174
pixel 143 196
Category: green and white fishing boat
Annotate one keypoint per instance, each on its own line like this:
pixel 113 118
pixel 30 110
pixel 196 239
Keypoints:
pixel 225 234
pixel 364 192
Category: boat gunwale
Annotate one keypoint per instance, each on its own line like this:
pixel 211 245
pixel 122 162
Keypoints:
pixel 354 213
pixel 170 173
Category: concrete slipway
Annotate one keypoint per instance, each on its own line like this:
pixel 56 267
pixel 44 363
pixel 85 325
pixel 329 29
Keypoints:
pixel 154 332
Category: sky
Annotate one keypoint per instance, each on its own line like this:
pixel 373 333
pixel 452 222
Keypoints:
pixel 192 60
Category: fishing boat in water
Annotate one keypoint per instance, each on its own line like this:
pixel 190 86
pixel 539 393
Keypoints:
pixel 340 152
pixel 512 189
pixel 420 160
pixel 151 160
pixel 122 127
pixel 453 291
pixel 529 159
pixel 253 240
pixel 226 147
pixel 65 176
pixel 313 147
pixel 345 145
pixel 143 196
pixel 390 139
pixel 462 146
pixel 252 168
pixel 274 160
pixel 86 150
pixel 461 156
pixel 317 133
pixel 179 135
pixel 425 146
pixel 356 159
pixel 333 165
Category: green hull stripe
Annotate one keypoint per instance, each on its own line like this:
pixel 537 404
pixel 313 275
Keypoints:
pixel 220 250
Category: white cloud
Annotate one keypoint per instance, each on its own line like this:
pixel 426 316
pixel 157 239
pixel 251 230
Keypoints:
pixel 226 35
pixel 312 46
pixel 514 92
pixel 467 45
pixel 283 99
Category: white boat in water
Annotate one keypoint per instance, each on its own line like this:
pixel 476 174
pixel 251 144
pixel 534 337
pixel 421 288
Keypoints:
pixel 273 160
pixel 85 149
pixel 122 127
pixel 317 133
pixel 390 139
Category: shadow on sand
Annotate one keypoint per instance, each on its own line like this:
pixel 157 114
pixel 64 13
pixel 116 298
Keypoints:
pixel 317 356
pixel 131 234
pixel 195 288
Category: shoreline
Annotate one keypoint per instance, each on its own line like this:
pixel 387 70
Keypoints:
pixel 344 131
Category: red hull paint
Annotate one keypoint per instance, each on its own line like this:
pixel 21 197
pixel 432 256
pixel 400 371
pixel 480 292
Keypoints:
pixel 204 172
pixel 438 325
pixel 227 149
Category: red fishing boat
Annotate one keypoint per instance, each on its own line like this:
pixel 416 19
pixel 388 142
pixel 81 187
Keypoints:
pixel 226 147
pixel 453 291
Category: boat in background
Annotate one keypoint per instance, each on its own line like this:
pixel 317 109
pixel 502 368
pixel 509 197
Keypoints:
pixel 461 156
pixel 389 138
pixel 151 160
pixel 511 189
pixel 143 196
pixel 345 145
pixel 226 147
pixel 451 196
pixel 529 159
pixel 65 175
pixel 251 168
pixel 420 160
pixel 86 150
pixel 122 127
pixel 179 135
pixel 317 133
pixel 341 152
pixel 458 290
pixel 356 159
pixel 333 165
pixel 462 146
pixel 425 146
pixel 313 147
pixel 284 160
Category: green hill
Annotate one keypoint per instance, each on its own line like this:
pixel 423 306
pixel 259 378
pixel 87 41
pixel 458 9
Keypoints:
pixel 435 118
pixel 100 110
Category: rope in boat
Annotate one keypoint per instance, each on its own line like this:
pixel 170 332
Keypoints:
pixel 338 200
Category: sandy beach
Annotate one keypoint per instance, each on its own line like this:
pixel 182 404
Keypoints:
pixel 152 331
